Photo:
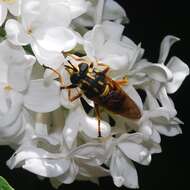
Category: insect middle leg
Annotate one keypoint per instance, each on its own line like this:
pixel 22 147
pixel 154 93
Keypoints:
pixel 96 106
pixel 71 99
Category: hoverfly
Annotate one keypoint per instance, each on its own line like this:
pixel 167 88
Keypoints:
pixel 101 89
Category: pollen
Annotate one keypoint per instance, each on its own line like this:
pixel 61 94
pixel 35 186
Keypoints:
pixel 29 31
pixel 7 1
pixel 7 88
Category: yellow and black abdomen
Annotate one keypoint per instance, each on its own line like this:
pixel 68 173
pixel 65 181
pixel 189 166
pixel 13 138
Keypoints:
pixel 117 101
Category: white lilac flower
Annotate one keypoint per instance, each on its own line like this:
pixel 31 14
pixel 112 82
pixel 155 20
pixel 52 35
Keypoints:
pixel 48 34
pixel 124 150
pixel 162 119
pixel 15 71
pixel 48 156
pixel 111 48
pixel 122 55
pixel 12 5
pixel 112 11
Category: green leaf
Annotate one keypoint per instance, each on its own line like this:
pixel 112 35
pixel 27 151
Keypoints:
pixel 28 49
pixel 4 185
pixel 2 32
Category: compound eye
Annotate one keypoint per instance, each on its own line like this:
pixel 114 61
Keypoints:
pixel 83 67
pixel 75 78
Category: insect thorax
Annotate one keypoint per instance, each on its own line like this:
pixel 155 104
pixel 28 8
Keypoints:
pixel 93 84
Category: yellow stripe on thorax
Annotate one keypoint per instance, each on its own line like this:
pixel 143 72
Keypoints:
pixel 106 91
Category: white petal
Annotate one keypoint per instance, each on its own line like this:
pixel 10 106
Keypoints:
pixel 89 126
pixel 135 138
pixel 146 129
pixel 87 172
pixel 71 127
pixel 39 161
pixel 114 11
pixel 14 8
pixel 179 70
pixel 19 73
pixel 55 38
pixel 16 33
pixel 117 30
pixel 42 97
pixel 94 40
pixel 77 8
pixel 49 58
pixel 136 152
pixel 10 53
pixel 47 168
pixel 167 102
pixel 158 72
pixel 92 154
pixel 13 105
pixel 151 101
pixel 156 136
pixel 160 115
pixel 33 12
pixel 169 130
pixel 58 14
pixel 166 44
pixel 10 134
pixel 117 63
pixel 3 13
pixel 26 152
pixel 123 171
pixel 70 175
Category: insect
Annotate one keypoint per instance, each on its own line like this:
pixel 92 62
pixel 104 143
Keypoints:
pixel 97 86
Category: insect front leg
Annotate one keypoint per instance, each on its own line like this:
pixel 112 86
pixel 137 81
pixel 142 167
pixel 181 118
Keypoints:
pixel 106 68
pixel 57 73
pixel 98 118
pixel 69 87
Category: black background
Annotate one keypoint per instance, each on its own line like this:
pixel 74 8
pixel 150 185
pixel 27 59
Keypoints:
pixel 150 21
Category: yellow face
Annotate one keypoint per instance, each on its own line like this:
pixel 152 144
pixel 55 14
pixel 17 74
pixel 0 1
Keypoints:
pixel 7 1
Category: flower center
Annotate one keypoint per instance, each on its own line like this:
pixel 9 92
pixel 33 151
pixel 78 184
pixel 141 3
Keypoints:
pixel 29 31
pixel 7 88
pixel 7 1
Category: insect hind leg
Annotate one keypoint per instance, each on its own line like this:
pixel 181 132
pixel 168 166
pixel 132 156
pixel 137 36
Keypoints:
pixel 98 118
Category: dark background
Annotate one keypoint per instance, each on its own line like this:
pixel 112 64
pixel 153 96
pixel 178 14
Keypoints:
pixel 150 22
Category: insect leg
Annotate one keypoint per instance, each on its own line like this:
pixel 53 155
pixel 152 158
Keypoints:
pixel 57 73
pixel 69 87
pixel 122 82
pixel 98 118
pixel 71 99
pixel 75 57
pixel 106 69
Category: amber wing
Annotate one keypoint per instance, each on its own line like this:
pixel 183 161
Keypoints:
pixel 118 102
